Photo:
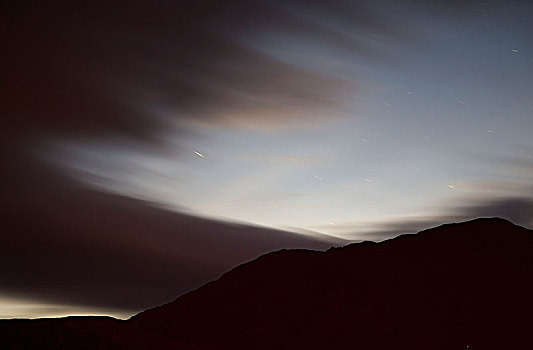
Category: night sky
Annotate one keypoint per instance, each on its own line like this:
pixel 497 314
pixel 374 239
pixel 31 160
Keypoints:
pixel 150 146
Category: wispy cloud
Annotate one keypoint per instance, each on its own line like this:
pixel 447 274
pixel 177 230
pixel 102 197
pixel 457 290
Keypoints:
pixel 518 210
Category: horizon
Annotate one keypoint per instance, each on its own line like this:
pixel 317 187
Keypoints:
pixel 150 147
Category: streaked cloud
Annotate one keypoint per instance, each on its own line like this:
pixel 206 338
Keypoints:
pixel 135 68
pixel 518 210
pixel 84 248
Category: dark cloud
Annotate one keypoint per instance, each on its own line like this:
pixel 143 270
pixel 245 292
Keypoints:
pixel 115 65
pixel 64 244
pixel 134 67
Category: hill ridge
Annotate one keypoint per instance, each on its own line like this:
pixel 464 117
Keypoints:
pixel 411 291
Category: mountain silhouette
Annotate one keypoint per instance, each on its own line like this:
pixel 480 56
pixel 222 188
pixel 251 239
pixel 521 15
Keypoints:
pixel 457 286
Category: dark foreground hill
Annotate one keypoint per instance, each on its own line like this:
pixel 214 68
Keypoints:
pixel 457 286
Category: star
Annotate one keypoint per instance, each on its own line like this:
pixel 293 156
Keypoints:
pixel 199 154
